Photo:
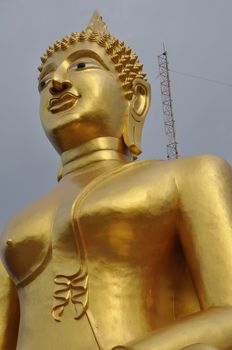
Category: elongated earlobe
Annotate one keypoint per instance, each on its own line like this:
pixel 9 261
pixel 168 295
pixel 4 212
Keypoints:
pixel 138 109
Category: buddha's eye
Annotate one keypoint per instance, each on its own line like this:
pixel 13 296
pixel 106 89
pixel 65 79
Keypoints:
pixel 43 83
pixel 83 65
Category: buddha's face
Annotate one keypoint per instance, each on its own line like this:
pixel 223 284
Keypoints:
pixel 81 97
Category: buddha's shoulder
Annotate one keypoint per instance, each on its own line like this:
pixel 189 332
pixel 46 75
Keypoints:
pixel 181 166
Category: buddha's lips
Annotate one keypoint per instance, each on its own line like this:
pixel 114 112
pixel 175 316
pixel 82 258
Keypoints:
pixel 65 101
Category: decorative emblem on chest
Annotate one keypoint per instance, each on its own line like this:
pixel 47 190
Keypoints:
pixel 74 289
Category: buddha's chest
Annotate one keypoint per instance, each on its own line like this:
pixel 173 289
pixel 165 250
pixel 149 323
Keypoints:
pixel 112 219
pixel 27 242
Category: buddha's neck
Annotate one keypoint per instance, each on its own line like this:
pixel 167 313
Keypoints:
pixel 93 151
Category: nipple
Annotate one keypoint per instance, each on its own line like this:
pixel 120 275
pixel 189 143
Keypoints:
pixel 9 242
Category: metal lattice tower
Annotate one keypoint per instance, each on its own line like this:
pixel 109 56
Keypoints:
pixel 169 122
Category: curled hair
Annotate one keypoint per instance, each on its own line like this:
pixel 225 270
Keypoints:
pixel 125 61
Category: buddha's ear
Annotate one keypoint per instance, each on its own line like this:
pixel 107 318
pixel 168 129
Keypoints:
pixel 138 108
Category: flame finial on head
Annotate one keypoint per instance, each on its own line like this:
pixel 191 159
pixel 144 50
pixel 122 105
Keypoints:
pixel 96 23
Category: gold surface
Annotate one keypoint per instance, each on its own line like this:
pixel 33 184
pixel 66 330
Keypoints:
pixel 119 254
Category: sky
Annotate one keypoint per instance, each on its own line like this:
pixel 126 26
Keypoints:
pixel 197 36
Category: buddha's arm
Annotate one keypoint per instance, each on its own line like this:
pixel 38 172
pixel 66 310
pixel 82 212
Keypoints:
pixel 205 226
pixel 9 312
pixel 212 327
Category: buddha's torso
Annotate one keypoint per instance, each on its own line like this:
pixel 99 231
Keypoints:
pixel 125 240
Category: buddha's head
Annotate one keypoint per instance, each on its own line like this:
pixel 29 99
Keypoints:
pixel 91 86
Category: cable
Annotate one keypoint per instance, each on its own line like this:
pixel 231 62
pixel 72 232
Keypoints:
pixel 202 78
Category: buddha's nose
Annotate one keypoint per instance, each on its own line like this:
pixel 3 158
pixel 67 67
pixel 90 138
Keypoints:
pixel 59 86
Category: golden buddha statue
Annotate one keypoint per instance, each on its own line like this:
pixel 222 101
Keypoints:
pixel 121 254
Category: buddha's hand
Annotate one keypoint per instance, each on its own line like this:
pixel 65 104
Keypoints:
pixel 120 347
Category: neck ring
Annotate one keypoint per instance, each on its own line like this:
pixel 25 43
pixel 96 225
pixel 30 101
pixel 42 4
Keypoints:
pixel 95 150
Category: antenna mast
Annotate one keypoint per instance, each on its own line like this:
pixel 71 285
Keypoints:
pixel 169 122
